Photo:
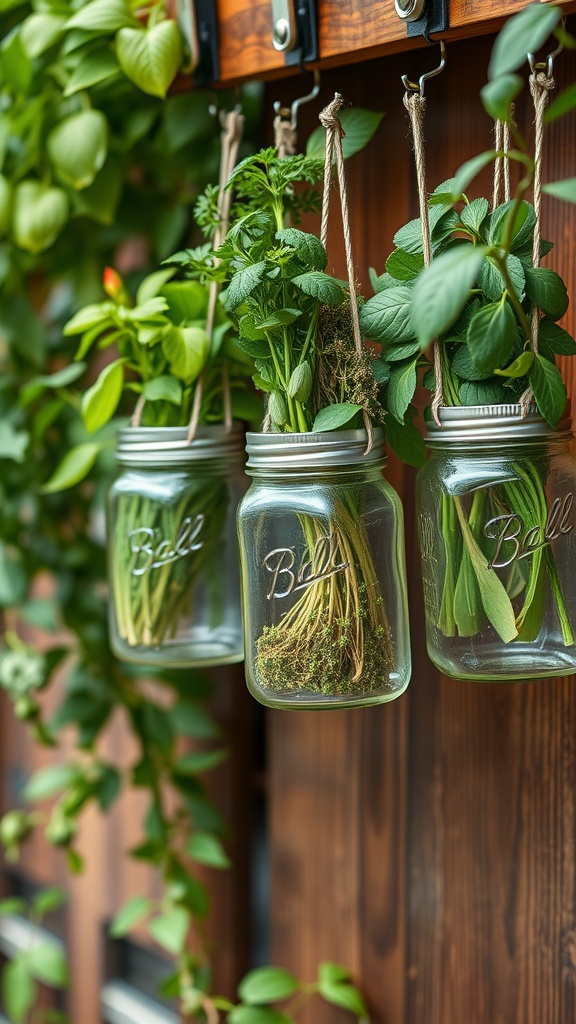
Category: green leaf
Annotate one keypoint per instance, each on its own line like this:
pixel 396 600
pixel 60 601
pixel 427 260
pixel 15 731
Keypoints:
pixel 170 930
pixel 525 33
pixel 48 781
pixel 335 416
pixel 549 389
pixel 130 915
pixel 47 963
pixel 495 600
pixel 267 985
pixel 163 389
pixel 387 316
pixel 102 16
pixel 50 899
pixel 90 316
pixel 331 972
pixel 78 146
pixel 359 126
pixel 75 465
pixel 546 289
pixel 467 599
pixel 187 300
pixel 39 214
pixel 206 848
pixel 18 989
pixel 491 335
pixel 13 579
pixel 491 280
pixel 150 57
pixel 381 371
pixel 404 266
pixel 498 97
pixel 565 189
pixel 100 402
pixel 257 1015
pixel 320 286
pixel 308 248
pixel 523 226
pixel 563 103
pixel 100 200
pixel 200 762
pixel 474 213
pixel 396 353
pixel 463 366
pixel 13 443
pixel 379 284
pixel 405 440
pixel 346 996
pixel 186 349
pixel 60 378
pixel 5 205
pixel 153 284
pixel 401 388
pixel 15 64
pixel 485 392
pixel 520 366
pixel 12 905
pixel 39 31
pixel 468 171
pixel 193 720
pixel 243 284
pixel 552 338
pixel 96 66
pixel 442 290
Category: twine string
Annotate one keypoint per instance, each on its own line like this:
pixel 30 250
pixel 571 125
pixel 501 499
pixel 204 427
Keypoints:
pixel 416 106
pixel 285 134
pixel 334 133
pixel 501 188
pixel 231 137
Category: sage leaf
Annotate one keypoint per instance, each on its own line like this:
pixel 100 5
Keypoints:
pixel 359 127
pixel 186 349
pixel 335 416
pixel 46 782
pixel 387 316
pixel 491 335
pixel 243 284
pixel 546 289
pixel 549 389
pixel 495 600
pixel 381 371
pixel 206 848
pixel 491 280
pixel 380 283
pixel 47 962
pixel 77 147
pixel 463 366
pixel 163 389
pixel 404 266
pixel 401 388
pixel 396 353
pixel 308 247
pixel 442 290
pixel 170 929
pixel 524 33
pixel 39 214
pixel 150 57
pixel 563 103
pixel 18 990
pixel 474 214
pixel 468 171
pixel 100 402
pixel 405 440
pixel 131 914
pixel 552 338
pixel 562 189
pixel 75 465
pixel 484 392
pixel 267 985
pixel 346 996
pixel 320 286
pixel 97 314
pixel 499 95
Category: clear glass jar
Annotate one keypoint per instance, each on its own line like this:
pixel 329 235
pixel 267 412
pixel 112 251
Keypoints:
pixel 172 547
pixel 496 520
pixel 323 573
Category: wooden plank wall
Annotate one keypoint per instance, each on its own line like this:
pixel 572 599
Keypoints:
pixel 430 843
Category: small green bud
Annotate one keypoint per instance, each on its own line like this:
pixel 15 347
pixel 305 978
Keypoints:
pixel 25 709
pixel 277 409
pixel 300 383
pixel 14 827
pixel 60 831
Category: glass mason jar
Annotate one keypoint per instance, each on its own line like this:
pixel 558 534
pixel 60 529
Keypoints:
pixel 496 519
pixel 323 573
pixel 172 549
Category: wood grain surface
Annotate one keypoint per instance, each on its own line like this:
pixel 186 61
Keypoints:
pixel 350 31
pixel 430 844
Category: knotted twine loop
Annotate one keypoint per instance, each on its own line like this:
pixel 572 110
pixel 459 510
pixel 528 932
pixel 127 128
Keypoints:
pixel 541 85
pixel 232 129
pixel 334 133
pixel 285 133
pixel 501 190
pixel 415 104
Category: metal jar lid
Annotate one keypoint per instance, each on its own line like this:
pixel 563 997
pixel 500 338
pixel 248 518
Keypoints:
pixel 493 423
pixel 323 450
pixel 168 446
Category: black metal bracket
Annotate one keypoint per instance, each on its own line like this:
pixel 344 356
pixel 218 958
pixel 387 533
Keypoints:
pixel 433 21
pixel 306 15
pixel 198 20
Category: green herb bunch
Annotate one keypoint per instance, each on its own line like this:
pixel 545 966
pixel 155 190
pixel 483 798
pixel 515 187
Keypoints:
pixel 476 301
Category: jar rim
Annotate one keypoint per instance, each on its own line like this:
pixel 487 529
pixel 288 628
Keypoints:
pixel 321 449
pixel 504 422
pixel 169 446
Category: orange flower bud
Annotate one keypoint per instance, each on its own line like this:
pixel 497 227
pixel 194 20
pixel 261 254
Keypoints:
pixel 112 283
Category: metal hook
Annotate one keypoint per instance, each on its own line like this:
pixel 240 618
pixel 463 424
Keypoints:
pixel 549 62
pixel 292 112
pixel 220 112
pixel 419 86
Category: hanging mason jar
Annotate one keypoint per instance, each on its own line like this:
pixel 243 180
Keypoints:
pixel 323 574
pixel 172 548
pixel 496 515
